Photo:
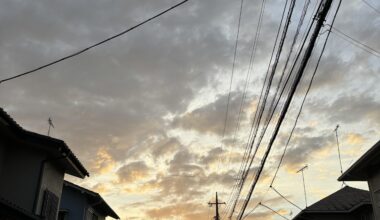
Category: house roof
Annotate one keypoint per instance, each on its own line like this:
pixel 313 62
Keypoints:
pixel 345 200
pixel 98 202
pixel 364 166
pixel 69 161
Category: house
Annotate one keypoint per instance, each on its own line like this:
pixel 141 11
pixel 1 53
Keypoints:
pixel 346 204
pixel 80 203
pixel 367 168
pixel 32 169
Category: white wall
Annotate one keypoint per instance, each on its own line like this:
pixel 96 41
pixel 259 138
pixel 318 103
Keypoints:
pixel 52 180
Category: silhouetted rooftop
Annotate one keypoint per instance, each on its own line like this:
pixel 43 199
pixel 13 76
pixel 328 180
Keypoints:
pixel 73 166
pixel 95 198
pixel 364 166
pixel 345 200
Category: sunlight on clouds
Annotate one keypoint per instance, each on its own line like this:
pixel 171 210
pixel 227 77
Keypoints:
pixel 104 163
pixel 355 139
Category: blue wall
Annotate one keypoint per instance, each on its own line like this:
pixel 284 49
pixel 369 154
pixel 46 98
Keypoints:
pixel 75 202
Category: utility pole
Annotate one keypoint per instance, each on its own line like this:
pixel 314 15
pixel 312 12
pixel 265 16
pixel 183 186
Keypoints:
pixel 303 180
pixel 216 203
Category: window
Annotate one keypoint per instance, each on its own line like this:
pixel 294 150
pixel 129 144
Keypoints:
pixel 49 206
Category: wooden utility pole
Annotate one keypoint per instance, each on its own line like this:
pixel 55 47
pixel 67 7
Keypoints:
pixel 216 203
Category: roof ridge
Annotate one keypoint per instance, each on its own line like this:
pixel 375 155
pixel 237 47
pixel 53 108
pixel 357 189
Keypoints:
pixel 62 143
pixel 341 200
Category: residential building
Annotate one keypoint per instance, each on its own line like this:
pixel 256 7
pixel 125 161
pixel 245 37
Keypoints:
pixel 346 204
pixel 80 203
pixel 32 169
pixel 367 168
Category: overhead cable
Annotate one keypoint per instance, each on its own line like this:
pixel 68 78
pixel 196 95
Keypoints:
pixel 371 6
pixel 250 67
pixel 271 75
pixel 256 120
pixel 249 71
pixel 355 42
pixel 284 197
pixel 321 18
pixel 274 211
pixel 94 45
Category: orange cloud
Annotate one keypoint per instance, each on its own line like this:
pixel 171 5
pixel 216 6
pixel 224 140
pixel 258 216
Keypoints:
pixel 104 162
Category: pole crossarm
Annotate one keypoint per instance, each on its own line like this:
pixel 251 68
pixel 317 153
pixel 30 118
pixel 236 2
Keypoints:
pixel 216 203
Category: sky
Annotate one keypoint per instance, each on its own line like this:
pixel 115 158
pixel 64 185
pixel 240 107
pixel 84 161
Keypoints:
pixel 145 112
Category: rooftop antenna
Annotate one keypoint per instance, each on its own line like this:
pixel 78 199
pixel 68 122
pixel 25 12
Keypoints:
pixel 303 179
pixel 337 144
pixel 50 125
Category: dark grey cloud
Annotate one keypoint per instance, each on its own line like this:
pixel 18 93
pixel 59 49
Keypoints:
pixel 350 109
pixel 303 147
pixel 211 117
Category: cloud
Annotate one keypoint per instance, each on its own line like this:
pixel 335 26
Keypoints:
pixel 104 163
pixel 350 109
pixel 304 147
pixel 188 210
pixel 133 172
pixel 166 146
pixel 210 118
pixel 111 104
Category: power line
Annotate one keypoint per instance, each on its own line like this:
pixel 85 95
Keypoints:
pixel 371 6
pixel 303 180
pixel 94 45
pixel 320 20
pixel 310 84
pixel 233 66
pixel 257 118
pixel 306 94
pixel 318 62
pixel 249 71
pixel 286 199
pixel 232 76
pixel 258 204
pixel 274 211
pixel 271 75
pixel 252 210
pixel 355 42
pixel 310 24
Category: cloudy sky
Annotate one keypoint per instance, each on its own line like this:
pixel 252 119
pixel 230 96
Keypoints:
pixel 145 112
